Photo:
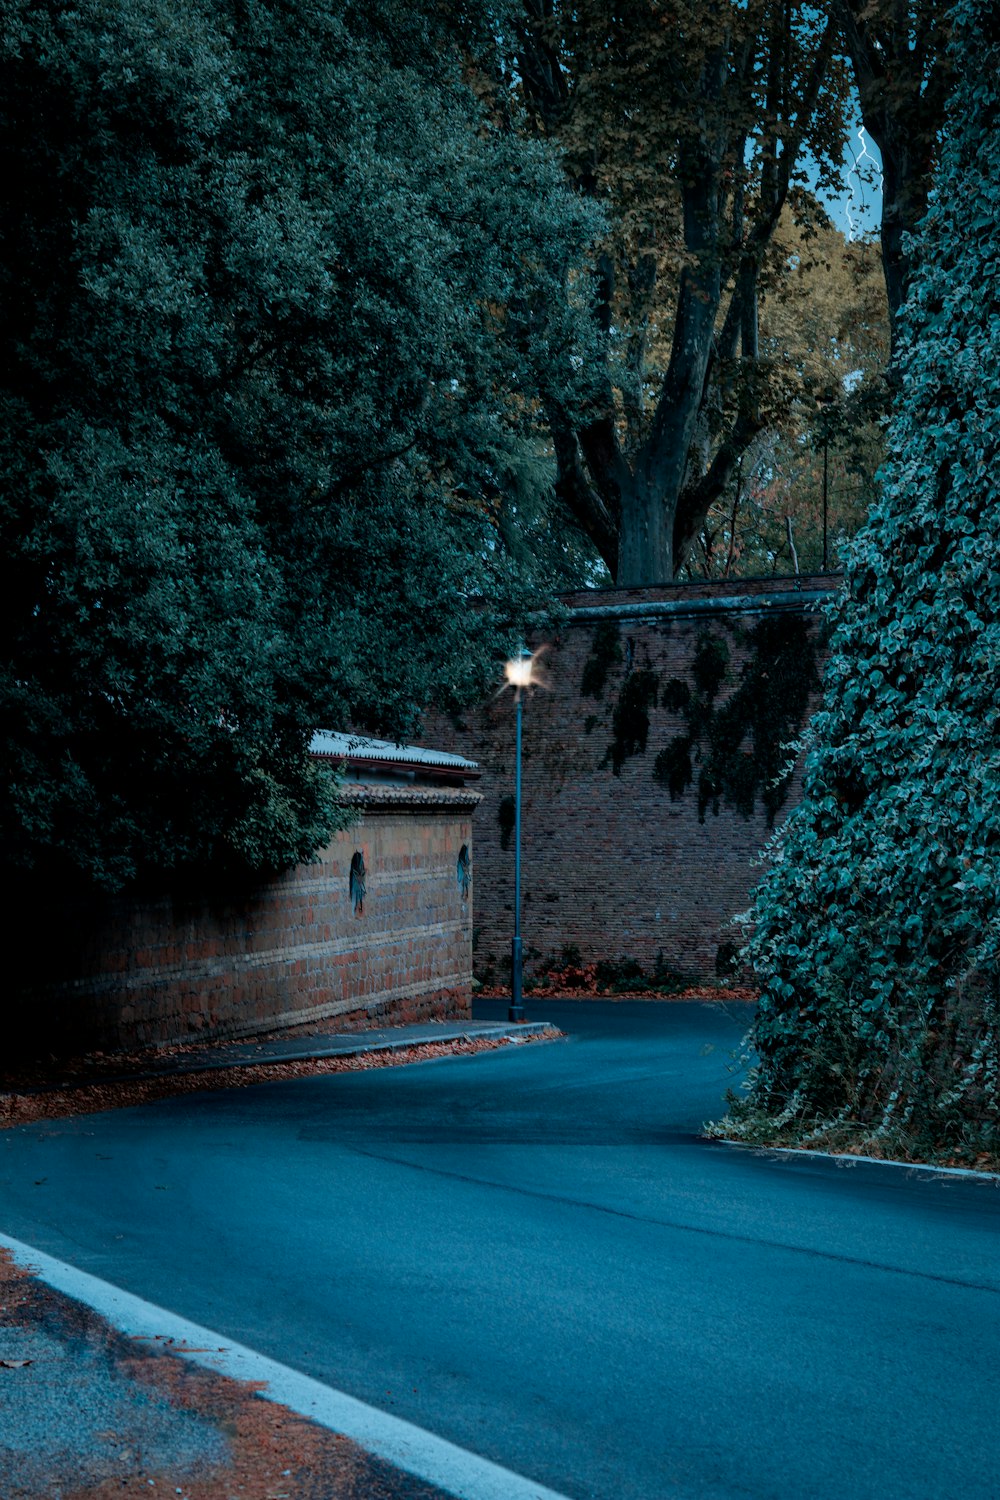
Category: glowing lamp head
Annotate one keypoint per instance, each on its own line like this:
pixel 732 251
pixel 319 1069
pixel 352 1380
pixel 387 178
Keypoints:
pixel 518 670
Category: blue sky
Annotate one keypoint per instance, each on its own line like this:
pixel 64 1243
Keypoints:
pixel 858 211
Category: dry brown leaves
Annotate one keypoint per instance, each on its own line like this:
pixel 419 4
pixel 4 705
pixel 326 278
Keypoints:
pixel 15 1287
pixel 23 1108
pixel 579 982
pixel 274 1454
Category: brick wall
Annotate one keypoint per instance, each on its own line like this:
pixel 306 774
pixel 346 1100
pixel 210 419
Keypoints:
pixel 611 864
pixel 292 952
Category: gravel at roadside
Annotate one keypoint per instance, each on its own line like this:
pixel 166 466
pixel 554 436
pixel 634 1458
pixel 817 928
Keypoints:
pixel 87 1413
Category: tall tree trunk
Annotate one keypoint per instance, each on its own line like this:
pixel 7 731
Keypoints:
pixel 640 483
pixel 646 547
pixel 903 75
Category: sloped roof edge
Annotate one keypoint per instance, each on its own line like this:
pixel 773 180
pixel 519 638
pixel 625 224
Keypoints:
pixel 359 749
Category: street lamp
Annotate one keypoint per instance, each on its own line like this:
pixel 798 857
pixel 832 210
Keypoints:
pixel 518 673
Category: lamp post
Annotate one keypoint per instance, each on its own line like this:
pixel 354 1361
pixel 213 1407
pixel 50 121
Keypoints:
pixel 518 674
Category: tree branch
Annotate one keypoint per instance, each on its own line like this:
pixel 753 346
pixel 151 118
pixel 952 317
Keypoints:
pixel 696 498
pixel 580 497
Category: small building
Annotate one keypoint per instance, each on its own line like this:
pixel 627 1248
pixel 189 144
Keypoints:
pixel 377 928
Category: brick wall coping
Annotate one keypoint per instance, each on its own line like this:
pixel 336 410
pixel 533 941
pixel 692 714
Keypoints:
pixel 375 797
pixel 721 604
pixel 701 588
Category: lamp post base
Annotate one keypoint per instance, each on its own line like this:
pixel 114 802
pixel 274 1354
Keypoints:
pixel 516 1011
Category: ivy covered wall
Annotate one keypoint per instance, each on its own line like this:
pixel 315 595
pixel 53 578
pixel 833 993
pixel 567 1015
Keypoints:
pixel 877 923
pixel 656 763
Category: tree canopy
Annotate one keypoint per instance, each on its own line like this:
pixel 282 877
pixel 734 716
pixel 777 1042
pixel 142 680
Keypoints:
pixel 825 327
pixel 265 398
pixel 876 927
pixel 902 70
pixel 690 125
pixel 699 129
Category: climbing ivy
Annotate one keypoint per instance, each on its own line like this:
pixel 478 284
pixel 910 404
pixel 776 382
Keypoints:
pixel 676 695
pixel 672 767
pixel 876 929
pixel 740 745
pixel 710 666
pixel 605 653
pixel 630 719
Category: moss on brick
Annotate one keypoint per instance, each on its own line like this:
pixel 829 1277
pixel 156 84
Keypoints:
pixel 741 745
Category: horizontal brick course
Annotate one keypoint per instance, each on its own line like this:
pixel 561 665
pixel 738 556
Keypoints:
pixel 291 952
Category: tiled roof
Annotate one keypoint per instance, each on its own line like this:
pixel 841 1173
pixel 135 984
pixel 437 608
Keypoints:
pixel 352 795
pixel 357 747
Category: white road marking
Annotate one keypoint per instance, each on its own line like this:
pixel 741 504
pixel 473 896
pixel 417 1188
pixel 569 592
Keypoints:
pixel 458 1472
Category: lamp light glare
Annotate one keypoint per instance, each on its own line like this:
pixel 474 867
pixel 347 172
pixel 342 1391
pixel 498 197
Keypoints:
pixel 518 671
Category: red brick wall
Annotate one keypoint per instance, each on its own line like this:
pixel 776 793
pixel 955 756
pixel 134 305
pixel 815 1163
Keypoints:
pixel 609 863
pixel 294 951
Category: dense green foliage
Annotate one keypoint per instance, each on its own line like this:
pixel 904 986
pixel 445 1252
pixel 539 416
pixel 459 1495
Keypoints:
pixel 268 369
pixel 877 929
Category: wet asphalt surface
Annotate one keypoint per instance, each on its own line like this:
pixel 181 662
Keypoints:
pixel 533 1254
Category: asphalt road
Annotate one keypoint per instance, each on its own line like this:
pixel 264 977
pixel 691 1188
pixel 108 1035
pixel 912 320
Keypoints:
pixel 530 1253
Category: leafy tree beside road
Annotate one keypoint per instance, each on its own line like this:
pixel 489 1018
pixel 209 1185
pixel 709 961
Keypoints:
pixel 703 131
pixel 261 394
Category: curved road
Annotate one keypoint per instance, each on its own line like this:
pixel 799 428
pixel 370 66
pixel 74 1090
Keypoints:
pixel 530 1253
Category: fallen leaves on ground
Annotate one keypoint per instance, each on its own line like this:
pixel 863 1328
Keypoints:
pixel 580 982
pixel 273 1452
pixel 88 1098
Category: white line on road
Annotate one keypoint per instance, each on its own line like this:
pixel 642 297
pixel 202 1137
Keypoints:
pixel 460 1473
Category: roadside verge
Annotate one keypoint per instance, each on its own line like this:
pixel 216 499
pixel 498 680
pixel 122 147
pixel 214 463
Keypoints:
pixel 104 1394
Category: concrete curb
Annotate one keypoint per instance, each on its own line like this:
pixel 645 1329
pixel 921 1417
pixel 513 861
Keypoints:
pixel 268 1054
pixel 308 1053
pixel 872 1161
pixel 456 1471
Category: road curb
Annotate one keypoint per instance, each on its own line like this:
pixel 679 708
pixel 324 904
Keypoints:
pixel 872 1161
pixel 438 1462
pixel 259 1056
pixel 315 1053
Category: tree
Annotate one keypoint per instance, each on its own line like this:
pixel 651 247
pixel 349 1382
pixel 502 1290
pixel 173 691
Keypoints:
pixel 902 70
pixel 877 926
pixel 688 124
pixel 262 389
pixel 824 325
